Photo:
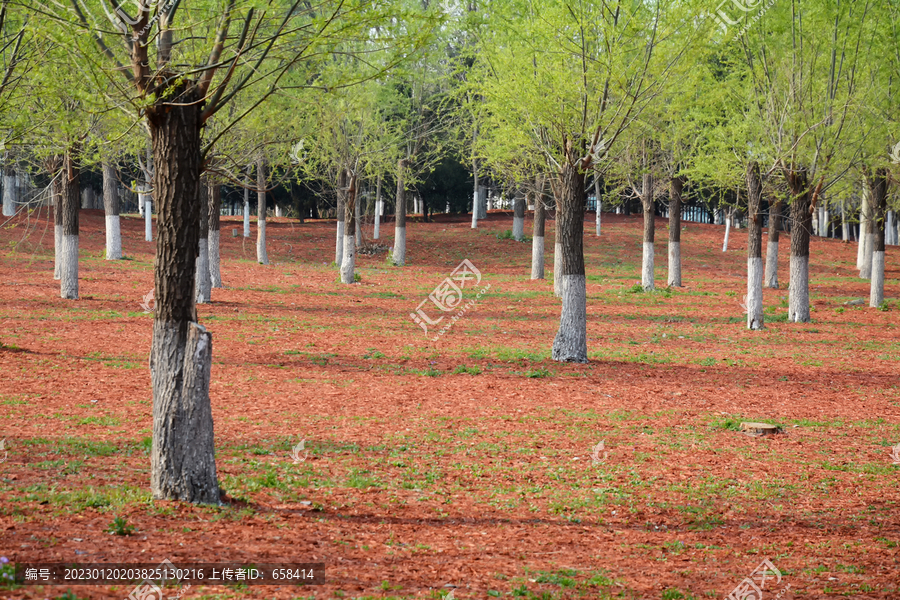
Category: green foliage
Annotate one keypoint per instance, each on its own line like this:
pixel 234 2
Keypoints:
pixel 120 526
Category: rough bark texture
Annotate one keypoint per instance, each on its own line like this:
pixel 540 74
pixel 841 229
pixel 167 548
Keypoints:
pixel 570 344
pixel 262 255
pixel 183 454
pixel 557 264
pixel 754 301
pixel 399 253
pixel 647 275
pixel 771 275
pixel 204 282
pixel 348 261
pixel 111 207
pixel 71 201
pixel 676 187
pixel 879 207
pixel 801 222
pixel 537 243
pixel 518 230
pixel 215 207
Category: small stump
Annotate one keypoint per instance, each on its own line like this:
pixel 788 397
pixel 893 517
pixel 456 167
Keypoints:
pixel 758 429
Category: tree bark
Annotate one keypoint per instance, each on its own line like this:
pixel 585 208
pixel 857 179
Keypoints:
pixel 357 228
pixel 754 300
pixel 801 223
pixel 146 200
pixel 599 204
pixel 203 280
pixel 537 240
pixel 868 239
pixel 262 255
pixel 570 344
pixel 378 210
pixel 215 262
pixel 879 206
pixel 71 202
pixel 475 195
pixel 647 275
pixel 57 190
pixel 518 229
pixel 771 275
pixel 111 207
pixel 845 229
pixel 348 261
pixel 10 188
pixel 863 224
pixel 676 188
pixel 398 255
pixel 183 454
pixel 340 218
pixel 247 206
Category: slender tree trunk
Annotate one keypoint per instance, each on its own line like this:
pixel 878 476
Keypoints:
pixel 247 206
pixel 378 210
pixel 146 200
pixel 262 255
pixel 599 203
pixel 537 241
pixel 801 223
pixel 9 191
pixel 570 344
pixel 215 262
pixel 879 206
pixel 845 229
pixel 475 195
pixel 111 206
pixel 71 201
pixel 182 457
pixel 754 300
pixel 203 285
pixel 357 227
pixel 868 239
pixel 771 275
pixel 399 253
pixel 677 185
pixel 728 221
pixel 557 250
pixel 57 188
pixel 348 262
pixel 482 202
pixel 340 218
pixel 518 229
pixel 863 225
pixel 647 275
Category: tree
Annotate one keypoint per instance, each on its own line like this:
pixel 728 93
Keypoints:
pixel 111 207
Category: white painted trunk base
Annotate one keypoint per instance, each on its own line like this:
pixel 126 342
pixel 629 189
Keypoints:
pixel 518 230
pixel 866 271
pixel 377 232
pixel 262 254
pixel 537 257
pixel 754 293
pixel 57 251
pixel 148 218
pixel 113 238
pixel 339 243
pixel 876 293
pixel 727 233
pixel 674 279
pixel 597 220
pixel 68 270
pixel 202 284
pixel 475 209
pixel 215 262
pixel 570 344
pixel 861 245
pixel 246 214
pixel 557 265
pixel 398 254
pixel 798 295
pixel 771 276
pixel 9 195
pixel 647 280
pixel 348 263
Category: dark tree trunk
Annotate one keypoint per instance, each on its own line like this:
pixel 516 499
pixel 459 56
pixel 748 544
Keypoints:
pixel 262 254
pixel 519 217
pixel 537 241
pixel 399 253
pixel 771 275
pixel 71 202
pixel 570 344
pixel 297 202
pixel 676 187
pixel 801 225
pixel 648 205
pixel 111 208
pixel 215 207
pixel 878 212
pixel 182 459
pixel 754 302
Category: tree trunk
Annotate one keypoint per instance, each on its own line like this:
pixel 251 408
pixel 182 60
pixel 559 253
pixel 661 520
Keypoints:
pixel 71 201
pixel 771 275
pixel 570 344
pixel 9 191
pixel 518 229
pixel 215 262
pixel 879 205
pixel 340 218
pixel 863 224
pixel 537 241
pixel 677 185
pixel 357 236
pixel 146 201
pixel 57 188
pixel 348 261
pixel 728 220
pixel 111 207
pixel 647 275
pixel 599 204
pixel 398 255
pixel 482 202
pixel 247 206
pixel 203 281
pixel 845 229
pixel 183 453
pixel 801 222
pixel 378 210
pixel 868 239
pixel 754 300
pixel 262 256
pixel 475 195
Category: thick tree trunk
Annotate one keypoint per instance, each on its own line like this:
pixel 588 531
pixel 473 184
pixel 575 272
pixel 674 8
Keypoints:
pixel 754 301
pixel 879 206
pixel 215 262
pixel 647 274
pixel 262 255
pixel 203 280
pixel 537 241
pixel 71 201
pixel 570 344
pixel 183 454
pixel 398 255
pixel 10 188
pixel 677 185
pixel 378 210
pixel 771 275
pixel 111 207
pixel 482 202
pixel 863 224
pixel 348 261
pixel 518 229
pixel 801 223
